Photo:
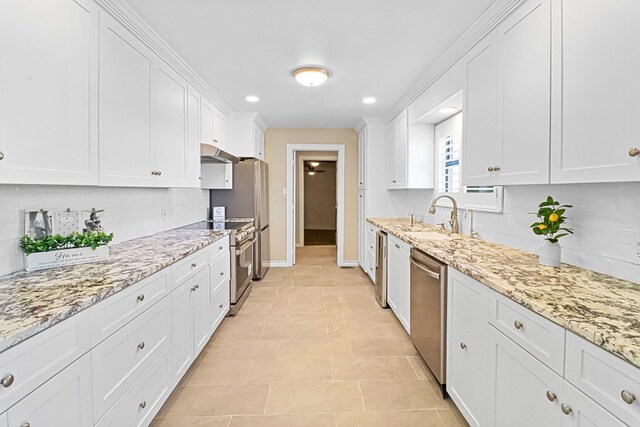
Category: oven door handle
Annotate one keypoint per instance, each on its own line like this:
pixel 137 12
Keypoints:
pixel 245 246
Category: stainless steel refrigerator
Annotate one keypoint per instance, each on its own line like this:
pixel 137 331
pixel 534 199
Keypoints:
pixel 249 198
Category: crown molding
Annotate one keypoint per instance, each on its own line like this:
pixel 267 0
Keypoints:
pixel 487 22
pixel 124 14
pixel 369 121
pixel 251 117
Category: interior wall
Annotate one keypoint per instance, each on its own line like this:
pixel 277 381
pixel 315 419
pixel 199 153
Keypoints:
pixel 276 140
pixel 320 198
pixel 129 212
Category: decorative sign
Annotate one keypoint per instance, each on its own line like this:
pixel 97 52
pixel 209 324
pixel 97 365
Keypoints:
pixel 43 260
pixel 219 214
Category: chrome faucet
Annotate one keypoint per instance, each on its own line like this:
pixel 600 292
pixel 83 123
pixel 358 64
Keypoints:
pixel 455 226
pixel 473 233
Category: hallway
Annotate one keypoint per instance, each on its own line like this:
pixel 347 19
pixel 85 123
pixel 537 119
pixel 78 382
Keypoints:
pixel 310 347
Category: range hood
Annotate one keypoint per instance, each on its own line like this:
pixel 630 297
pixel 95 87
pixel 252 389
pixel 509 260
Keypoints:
pixel 209 153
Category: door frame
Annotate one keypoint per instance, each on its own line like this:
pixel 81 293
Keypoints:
pixel 291 191
pixel 300 191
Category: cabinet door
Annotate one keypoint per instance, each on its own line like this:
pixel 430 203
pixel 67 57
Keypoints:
pixel 392 138
pixel 362 159
pixel 219 129
pixel 580 411
pixel 193 139
pixel 258 142
pixel 518 386
pixel 207 118
pixel 49 92
pixel 64 400
pixel 125 92
pixel 201 304
pixel 480 142
pixel 168 126
pixel 394 275
pixel 181 330
pixel 362 231
pixel 467 324
pixel 216 175
pixel 402 141
pixel 595 94
pixel 405 286
pixel 524 43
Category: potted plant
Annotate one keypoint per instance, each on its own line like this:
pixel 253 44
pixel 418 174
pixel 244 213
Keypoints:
pixel 550 224
pixel 57 251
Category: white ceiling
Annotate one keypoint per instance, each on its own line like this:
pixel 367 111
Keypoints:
pixel 374 48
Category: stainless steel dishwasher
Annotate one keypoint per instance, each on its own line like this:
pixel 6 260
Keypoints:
pixel 381 268
pixel 429 312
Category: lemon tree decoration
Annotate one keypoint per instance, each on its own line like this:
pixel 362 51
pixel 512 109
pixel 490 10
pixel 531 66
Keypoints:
pixel 550 220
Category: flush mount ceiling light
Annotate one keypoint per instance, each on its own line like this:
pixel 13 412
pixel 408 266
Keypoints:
pixel 314 164
pixel 311 75
pixel 369 100
pixel 448 110
pixel 312 173
pixel 252 98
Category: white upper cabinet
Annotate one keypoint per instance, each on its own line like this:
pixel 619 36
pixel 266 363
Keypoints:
pixel 49 92
pixel 247 136
pixel 125 93
pixel 169 97
pixel 507 101
pixel 212 124
pixel 362 159
pixel 596 102
pixel 408 157
pixel 193 176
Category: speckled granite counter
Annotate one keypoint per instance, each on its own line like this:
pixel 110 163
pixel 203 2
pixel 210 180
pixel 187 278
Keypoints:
pixel 32 302
pixel 601 308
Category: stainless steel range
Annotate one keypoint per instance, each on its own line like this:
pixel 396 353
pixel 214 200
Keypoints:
pixel 241 241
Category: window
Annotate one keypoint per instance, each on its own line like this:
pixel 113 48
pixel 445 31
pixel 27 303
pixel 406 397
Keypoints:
pixel 449 146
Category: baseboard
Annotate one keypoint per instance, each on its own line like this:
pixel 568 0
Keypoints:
pixel 277 264
pixel 350 264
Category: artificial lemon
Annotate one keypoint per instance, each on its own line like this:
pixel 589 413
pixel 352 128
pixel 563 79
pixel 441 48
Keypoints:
pixel 542 226
pixel 553 217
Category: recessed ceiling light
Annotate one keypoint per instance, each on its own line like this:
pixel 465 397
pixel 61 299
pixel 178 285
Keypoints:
pixel 312 173
pixel 311 75
pixel 252 98
pixel 369 100
pixel 448 110
pixel 314 164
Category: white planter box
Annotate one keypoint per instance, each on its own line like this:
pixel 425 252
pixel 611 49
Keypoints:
pixel 63 257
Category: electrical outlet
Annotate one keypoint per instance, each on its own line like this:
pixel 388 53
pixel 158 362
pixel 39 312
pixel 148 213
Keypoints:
pixel 163 214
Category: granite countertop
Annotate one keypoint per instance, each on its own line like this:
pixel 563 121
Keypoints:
pixel 32 302
pixel 601 308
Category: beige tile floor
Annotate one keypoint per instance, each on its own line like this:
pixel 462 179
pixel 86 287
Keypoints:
pixel 310 347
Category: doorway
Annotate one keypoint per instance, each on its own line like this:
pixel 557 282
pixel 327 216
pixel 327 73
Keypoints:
pixel 317 206
pixel 330 160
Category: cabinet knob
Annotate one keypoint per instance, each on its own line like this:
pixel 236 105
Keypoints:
pixel 221 306
pixel 496 168
pixel 394 181
pixel 397 246
pixel 200 178
pixel 219 248
pixel 159 173
pixel 566 408
pixel 141 345
pixel 7 380
pixel 490 168
pixel 463 346
pixel 194 265
pixel 628 397
pixel 633 152
pixel 518 325
pixel 1 155
pixel 221 273
pixel 141 297
pixel 143 404
pixel 215 140
pixel 551 396
pixel 25 424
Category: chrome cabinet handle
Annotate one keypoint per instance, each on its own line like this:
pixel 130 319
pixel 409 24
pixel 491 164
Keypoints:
pixel 551 396
pixel 1 155
pixel 633 152
pixel 140 297
pixel 496 168
pixel 463 346
pixel 566 408
pixel 518 325
pixel 159 173
pixel 222 273
pixel 25 424
pixel 628 397
pixel 194 265
pixel 7 380
pixel 397 246
pixel 221 306
pixel 220 248
pixel 490 168
pixel 215 140
pixel 141 345
pixel 143 404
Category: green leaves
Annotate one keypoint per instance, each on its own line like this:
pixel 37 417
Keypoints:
pixel 91 239
pixel 550 220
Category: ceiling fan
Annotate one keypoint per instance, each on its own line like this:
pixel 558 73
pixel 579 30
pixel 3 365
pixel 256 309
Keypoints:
pixel 312 168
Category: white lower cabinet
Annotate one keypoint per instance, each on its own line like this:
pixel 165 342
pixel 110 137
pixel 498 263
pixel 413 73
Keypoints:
pixel 398 280
pixel 580 411
pixel 521 390
pixel 63 401
pixel 201 303
pixel 143 400
pixel 362 230
pixel 467 346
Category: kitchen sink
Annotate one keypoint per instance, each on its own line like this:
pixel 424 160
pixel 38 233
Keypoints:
pixel 428 235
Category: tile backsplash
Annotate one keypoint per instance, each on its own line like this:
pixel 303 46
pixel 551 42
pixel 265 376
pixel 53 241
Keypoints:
pixel 129 212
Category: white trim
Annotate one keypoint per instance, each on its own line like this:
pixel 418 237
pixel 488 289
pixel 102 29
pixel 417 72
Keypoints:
pixel 292 149
pixel 278 264
pixel 351 264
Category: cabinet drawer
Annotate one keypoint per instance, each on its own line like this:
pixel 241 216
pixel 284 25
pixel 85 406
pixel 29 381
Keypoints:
pixel 217 248
pixel 371 228
pixel 118 310
pixel 187 267
pixel 604 377
pixel 143 400
pixel 371 265
pixel 34 361
pixel 539 336
pixel 120 359
pixel 219 304
pixel 220 269
pixel 371 242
